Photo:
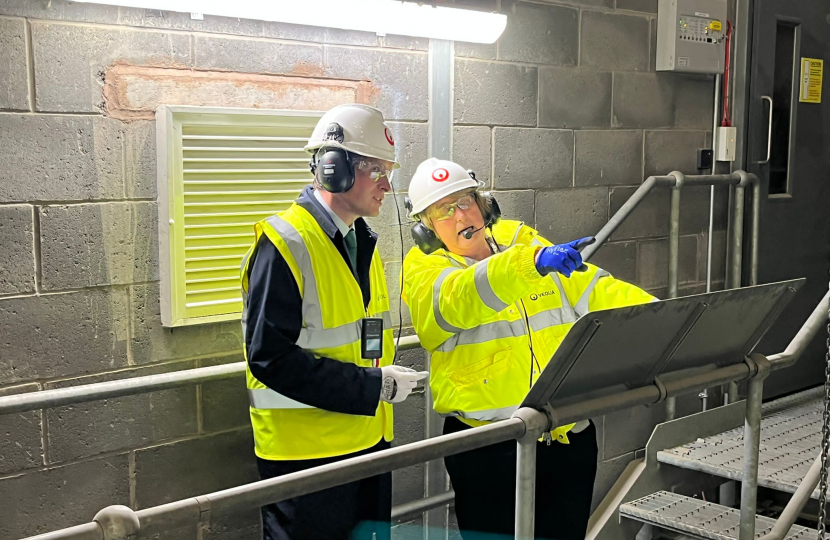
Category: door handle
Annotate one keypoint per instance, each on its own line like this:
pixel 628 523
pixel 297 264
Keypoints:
pixel 769 133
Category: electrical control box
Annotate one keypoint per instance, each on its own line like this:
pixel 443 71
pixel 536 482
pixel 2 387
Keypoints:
pixel 691 36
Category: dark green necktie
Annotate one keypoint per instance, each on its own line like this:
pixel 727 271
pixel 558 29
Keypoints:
pixel 351 248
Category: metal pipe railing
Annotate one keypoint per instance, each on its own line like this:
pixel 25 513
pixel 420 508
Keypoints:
pixel 415 508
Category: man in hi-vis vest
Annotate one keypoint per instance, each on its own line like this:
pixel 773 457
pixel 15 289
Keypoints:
pixel 318 334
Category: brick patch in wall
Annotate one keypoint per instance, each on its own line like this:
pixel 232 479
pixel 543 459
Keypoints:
pixel 133 92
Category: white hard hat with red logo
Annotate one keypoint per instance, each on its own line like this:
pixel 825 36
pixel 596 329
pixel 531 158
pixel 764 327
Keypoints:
pixel 435 179
pixel 362 131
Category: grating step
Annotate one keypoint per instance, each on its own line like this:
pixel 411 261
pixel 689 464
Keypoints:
pixel 700 518
pixel 790 441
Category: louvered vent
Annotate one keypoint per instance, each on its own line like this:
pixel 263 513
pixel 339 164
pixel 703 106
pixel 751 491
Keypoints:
pixel 230 169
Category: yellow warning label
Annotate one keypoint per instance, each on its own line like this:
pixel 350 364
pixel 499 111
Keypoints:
pixel 812 71
pixel 716 26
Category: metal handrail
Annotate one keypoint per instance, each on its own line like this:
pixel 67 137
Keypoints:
pixel 121 522
pixel 44 399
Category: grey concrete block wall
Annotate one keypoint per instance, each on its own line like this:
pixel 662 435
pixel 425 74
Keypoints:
pixel 540 115
pixel 85 245
pixel 532 158
pixel 17 260
pixel 14 78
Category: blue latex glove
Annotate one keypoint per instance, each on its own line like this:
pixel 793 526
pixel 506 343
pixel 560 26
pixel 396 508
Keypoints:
pixel 563 258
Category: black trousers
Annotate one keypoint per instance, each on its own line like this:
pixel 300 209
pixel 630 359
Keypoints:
pixel 484 481
pixel 348 512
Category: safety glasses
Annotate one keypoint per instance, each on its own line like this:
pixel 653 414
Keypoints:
pixel 447 210
pixel 375 168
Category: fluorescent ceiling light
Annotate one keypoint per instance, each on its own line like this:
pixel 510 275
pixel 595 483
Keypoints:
pixel 378 16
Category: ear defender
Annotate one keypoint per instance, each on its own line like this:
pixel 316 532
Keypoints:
pixel 426 240
pixel 332 167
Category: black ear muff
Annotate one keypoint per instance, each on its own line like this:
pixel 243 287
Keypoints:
pixel 333 170
pixel 493 212
pixel 426 240
pixel 332 167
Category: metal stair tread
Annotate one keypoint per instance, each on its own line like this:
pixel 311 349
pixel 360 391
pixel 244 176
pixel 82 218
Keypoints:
pixel 700 518
pixel 790 441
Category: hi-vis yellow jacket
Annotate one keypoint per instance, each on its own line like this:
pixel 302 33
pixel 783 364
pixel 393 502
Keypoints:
pixel 332 310
pixel 473 318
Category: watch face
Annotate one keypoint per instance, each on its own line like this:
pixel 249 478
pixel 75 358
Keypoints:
pixel 389 387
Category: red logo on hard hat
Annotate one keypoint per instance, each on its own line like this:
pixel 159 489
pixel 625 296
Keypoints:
pixel 439 175
pixel 389 136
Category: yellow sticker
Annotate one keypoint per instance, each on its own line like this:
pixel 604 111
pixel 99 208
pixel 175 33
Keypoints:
pixel 812 71
pixel 716 26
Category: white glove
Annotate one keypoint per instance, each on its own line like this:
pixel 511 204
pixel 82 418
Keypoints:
pixel 397 382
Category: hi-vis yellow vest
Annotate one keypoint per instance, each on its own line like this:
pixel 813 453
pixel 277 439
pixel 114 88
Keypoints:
pixel 332 308
pixel 480 320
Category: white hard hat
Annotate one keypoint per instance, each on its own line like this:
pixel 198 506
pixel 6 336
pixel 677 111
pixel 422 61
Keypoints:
pixel 363 132
pixel 435 179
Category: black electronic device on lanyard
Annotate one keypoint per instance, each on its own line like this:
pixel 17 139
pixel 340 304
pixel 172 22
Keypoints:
pixel 371 338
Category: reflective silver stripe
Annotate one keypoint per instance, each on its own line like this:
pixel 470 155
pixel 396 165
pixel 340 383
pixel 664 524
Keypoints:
pixel 546 319
pixel 485 290
pixel 436 303
pixel 568 314
pixel 581 307
pixel 244 318
pixel 490 415
pixel 339 336
pixel 312 314
pixel 265 398
pixel 484 333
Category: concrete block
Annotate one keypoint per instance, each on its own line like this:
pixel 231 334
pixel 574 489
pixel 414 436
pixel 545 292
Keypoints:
pixel 339 36
pixel 533 158
pixel 694 209
pixel 650 218
pixel 471 148
pixel 241 526
pixel 718 256
pixel 409 43
pixel 79 333
pixel 400 79
pixel 694 101
pixel 140 160
pixel 386 225
pixel 667 151
pixel 87 429
pixel 21 444
pixel 517 205
pixel 644 100
pixel 17 259
pixel 60 10
pixel 500 94
pixel 152 18
pixel 176 471
pixel 14 85
pixel 647 6
pixel 98 244
pixel 590 3
pixel 153 343
pixel 539 34
pixel 561 88
pixel 411 149
pixel 605 158
pixel 563 215
pixel 653 262
pixel 608 472
pixel 224 403
pixel 619 258
pixel 38 502
pixel 396 304
pixel 614 41
pixel 64 158
pixel 255 56
pixel 481 51
pixel 70 61
pixel 294 32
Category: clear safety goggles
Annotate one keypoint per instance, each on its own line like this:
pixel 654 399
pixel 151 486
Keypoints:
pixel 375 168
pixel 447 210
